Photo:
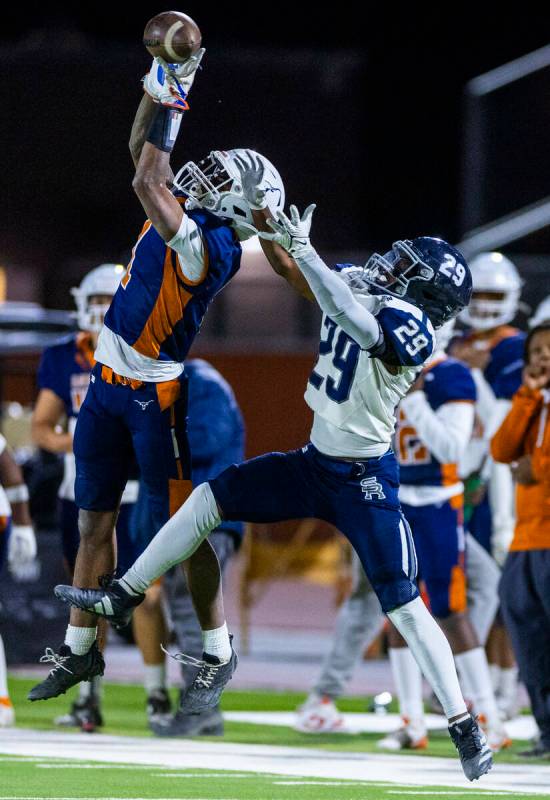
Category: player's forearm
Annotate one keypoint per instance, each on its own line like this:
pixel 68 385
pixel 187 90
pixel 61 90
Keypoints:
pixel 48 438
pixel 336 299
pixel 11 478
pixel 281 262
pixel 140 128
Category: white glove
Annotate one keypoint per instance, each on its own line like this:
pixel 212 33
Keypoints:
pixel 21 546
pixel 169 84
pixel 251 171
pixel 501 540
pixel 292 234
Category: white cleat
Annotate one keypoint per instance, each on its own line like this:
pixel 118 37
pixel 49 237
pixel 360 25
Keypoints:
pixel 7 713
pixel 412 735
pixel 319 715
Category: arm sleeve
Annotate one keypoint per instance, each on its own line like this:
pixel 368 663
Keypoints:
pixel 507 444
pixel 189 246
pixel 502 502
pixel 3 444
pixel 446 432
pixel 337 301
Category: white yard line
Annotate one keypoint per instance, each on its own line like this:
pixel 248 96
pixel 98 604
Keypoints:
pixel 285 761
pixel 522 727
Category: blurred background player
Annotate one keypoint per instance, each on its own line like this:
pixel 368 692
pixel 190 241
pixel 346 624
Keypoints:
pixel 188 249
pixel 216 437
pixel 523 440
pixel 63 380
pixel 17 546
pixel 494 351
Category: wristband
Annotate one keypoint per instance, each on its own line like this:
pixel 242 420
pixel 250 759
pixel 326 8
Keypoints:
pixel 17 494
pixel 164 128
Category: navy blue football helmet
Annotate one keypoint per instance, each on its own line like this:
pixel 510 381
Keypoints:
pixel 427 272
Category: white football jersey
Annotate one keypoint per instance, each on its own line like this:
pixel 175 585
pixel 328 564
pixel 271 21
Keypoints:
pixel 353 394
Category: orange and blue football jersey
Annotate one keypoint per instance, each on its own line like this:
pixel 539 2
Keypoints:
pixel 156 309
pixel 65 370
pixel 446 381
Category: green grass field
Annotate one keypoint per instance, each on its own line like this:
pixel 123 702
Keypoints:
pixel 58 779
pixel 125 716
pixel 22 779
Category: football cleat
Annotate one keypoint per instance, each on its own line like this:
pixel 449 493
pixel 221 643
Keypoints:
pixel 84 714
pixel 209 682
pixel 207 723
pixel 412 735
pixel 7 714
pixel 112 601
pixel 158 707
pixel 319 715
pixel 470 741
pixel 69 669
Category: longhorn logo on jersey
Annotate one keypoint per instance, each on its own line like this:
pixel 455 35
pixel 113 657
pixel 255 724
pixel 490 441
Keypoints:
pixel 371 487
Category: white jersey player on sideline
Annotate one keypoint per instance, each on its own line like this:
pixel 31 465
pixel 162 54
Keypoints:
pixel 372 346
pixel 17 545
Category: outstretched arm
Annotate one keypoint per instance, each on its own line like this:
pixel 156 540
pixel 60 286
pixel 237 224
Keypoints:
pixel 153 136
pixel 283 264
pixel 334 297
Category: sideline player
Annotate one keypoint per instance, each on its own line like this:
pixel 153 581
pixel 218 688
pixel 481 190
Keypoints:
pixel 188 249
pixel 374 339
pixel 17 545
pixel 494 351
pixel 63 380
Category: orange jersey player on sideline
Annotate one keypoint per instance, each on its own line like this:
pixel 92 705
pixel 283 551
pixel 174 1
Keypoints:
pixel 523 440
pixel 188 249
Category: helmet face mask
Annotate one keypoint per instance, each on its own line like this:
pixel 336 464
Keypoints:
pixel 496 292
pixel 215 184
pixel 94 295
pixel 393 271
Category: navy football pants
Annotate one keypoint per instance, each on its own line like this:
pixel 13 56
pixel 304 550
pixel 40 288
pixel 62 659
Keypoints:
pixel 358 498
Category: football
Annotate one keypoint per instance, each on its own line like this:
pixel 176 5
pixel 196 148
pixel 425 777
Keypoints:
pixel 172 36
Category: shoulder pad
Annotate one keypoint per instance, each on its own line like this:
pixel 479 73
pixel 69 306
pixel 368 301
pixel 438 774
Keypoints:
pixel 409 337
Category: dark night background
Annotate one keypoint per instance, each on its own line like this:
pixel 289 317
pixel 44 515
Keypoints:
pixel 361 114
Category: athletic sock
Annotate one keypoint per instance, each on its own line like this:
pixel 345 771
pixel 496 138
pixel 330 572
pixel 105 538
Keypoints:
pixel 216 643
pixel 494 672
pixel 154 677
pixel 408 683
pixel 432 652
pixel 176 541
pixel 93 688
pixel 3 672
pixel 80 640
pixel 473 665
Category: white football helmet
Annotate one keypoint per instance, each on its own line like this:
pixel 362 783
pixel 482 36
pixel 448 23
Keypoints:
pixel 542 314
pixel 215 184
pixel 494 274
pixel 101 281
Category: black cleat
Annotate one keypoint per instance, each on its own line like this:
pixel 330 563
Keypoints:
pixel 207 723
pixel 158 707
pixel 209 682
pixel 111 601
pixel 84 714
pixel 475 754
pixel 69 670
